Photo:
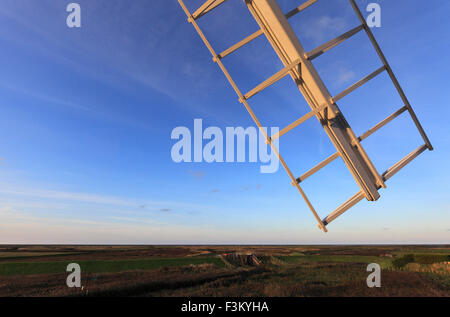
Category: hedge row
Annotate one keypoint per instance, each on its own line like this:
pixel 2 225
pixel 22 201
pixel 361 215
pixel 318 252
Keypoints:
pixel 419 258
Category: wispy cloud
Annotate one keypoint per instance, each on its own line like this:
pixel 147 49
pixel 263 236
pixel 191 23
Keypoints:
pixel 199 175
pixel 345 75
pixel 65 198
pixel 90 110
pixel 45 98
pixel 132 220
pixel 69 196
pixel 94 52
pixel 318 29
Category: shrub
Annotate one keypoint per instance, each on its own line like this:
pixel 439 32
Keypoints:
pixel 430 258
pixel 399 263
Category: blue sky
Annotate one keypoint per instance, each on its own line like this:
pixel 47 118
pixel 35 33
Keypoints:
pixel 87 115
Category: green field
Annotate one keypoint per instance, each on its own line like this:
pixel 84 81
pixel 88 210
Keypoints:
pixel 228 271
pixel 99 266
pixel 383 262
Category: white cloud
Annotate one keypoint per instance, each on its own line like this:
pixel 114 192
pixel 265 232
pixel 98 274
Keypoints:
pixel 318 29
pixel 345 75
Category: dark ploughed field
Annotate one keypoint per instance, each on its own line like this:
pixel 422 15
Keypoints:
pixel 224 270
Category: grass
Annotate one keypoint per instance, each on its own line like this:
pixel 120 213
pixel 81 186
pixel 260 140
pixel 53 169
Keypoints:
pixel 285 271
pixel 295 279
pixel 429 258
pixel 383 262
pixel 27 268
pixel 5 256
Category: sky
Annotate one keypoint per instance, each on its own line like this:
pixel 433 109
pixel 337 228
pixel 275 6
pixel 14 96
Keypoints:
pixel 87 114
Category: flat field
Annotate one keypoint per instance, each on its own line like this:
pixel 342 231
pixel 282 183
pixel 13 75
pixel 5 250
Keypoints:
pixel 224 270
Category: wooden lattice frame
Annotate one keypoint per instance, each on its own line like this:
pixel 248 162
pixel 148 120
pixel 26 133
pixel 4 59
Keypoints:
pixel 298 64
